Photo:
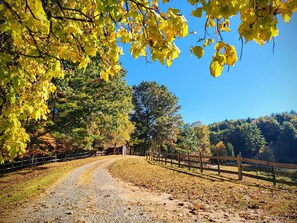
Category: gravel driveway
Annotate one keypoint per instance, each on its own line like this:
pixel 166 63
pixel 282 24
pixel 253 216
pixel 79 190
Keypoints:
pixel 90 194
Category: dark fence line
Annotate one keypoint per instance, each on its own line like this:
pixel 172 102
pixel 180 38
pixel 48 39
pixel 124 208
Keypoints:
pixel 201 162
pixel 35 160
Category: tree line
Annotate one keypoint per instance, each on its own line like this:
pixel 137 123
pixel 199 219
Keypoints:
pixel 89 113
pixel 264 137
pixel 158 126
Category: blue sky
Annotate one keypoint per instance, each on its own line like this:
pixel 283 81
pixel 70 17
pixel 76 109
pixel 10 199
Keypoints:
pixel 260 84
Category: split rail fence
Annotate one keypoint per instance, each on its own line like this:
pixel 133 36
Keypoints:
pixel 202 162
pixel 35 160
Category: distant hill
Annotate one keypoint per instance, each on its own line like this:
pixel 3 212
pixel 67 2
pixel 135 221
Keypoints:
pixel 260 137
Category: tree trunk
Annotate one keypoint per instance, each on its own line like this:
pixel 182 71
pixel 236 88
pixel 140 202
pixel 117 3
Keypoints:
pixel 114 148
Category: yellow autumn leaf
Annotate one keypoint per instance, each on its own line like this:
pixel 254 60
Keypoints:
pixel 168 62
pixel 91 50
pixel 286 17
pixel 231 59
pixel 84 62
pixel 39 11
pixel 259 40
pixel 104 75
pixel 208 42
pixel 197 12
pixel 215 68
pixel 220 58
pixel 231 55
pixel 52 88
pixel 198 51
pixel 219 45
pixel 175 52
pixel 274 31
pixel 17 37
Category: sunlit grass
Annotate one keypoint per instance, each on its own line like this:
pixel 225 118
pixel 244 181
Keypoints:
pixel 21 185
pixel 221 192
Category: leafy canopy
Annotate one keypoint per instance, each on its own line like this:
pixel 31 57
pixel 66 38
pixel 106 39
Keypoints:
pixel 258 22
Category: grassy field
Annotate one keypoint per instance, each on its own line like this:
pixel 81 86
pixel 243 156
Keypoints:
pixel 210 193
pixel 17 187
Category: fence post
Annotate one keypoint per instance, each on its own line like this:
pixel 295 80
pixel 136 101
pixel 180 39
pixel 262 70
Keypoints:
pixel 201 164
pixel 178 159
pixel 189 164
pixel 218 160
pixel 273 171
pixel 219 169
pixel 239 166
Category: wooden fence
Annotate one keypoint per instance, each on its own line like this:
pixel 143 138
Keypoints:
pixel 34 161
pixel 199 161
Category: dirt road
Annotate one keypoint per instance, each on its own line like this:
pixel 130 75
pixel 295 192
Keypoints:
pixel 90 194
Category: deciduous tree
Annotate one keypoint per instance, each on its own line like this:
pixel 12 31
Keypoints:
pixel 202 133
pixel 155 116
pixel 219 149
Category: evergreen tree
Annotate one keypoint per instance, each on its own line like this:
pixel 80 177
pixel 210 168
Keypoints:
pixel 187 138
pixel 86 108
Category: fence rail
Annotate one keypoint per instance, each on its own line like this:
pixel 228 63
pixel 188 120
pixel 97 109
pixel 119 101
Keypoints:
pixel 199 162
pixel 35 161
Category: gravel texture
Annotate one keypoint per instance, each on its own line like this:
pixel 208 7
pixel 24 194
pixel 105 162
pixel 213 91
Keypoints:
pixel 90 194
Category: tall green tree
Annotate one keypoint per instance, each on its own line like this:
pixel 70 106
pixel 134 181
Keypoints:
pixel 285 148
pixel 269 127
pixel 86 108
pixel 187 140
pixel 229 149
pixel 247 139
pixel 155 116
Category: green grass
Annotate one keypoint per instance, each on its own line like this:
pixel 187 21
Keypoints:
pixel 32 187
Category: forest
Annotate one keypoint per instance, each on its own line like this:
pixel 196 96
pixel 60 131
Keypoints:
pixel 88 113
